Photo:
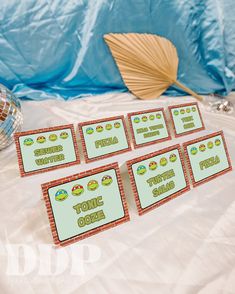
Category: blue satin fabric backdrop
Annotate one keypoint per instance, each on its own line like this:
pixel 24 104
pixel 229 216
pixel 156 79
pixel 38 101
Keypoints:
pixel 55 48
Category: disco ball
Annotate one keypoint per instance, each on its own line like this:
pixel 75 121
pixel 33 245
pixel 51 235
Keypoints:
pixel 11 118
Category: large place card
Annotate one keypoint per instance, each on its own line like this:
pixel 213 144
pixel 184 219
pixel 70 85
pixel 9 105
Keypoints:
pixel 186 119
pixel 207 157
pixel 148 127
pixel 46 149
pixel 85 204
pixel 157 177
pixel 104 137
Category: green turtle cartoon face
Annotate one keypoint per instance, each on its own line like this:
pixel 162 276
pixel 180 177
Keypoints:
pixel 61 195
pixel 173 157
pixel 141 170
pixel 188 110
pixel 53 137
pixel 64 135
pixel 193 150
pixel 144 118
pixel 106 180
pixel 92 185
pixel 108 127
pixel 89 131
pixel 41 139
pixel 210 144
pixel 217 142
pixel 136 120
pixel 163 161
pixel 194 109
pixel 176 112
pixel 151 117
pixel 117 125
pixel 152 165
pixel 202 147
pixel 158 115
pixel 182 111
pixel 99 129
pixel 77 190
pixel 28 142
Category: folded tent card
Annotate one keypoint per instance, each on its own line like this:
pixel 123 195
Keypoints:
pixel 46 149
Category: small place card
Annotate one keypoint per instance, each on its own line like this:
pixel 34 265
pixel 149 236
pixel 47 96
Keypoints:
pixel 46 149
pixel 104 138
pixel 157 177
pixel 186 119
pixel 148 127
pixel 85 204
pixel 207 157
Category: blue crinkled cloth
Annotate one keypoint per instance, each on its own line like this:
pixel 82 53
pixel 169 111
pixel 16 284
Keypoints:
pixel 55 48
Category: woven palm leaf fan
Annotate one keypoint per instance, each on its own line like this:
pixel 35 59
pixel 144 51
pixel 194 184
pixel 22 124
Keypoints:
pixel 148 63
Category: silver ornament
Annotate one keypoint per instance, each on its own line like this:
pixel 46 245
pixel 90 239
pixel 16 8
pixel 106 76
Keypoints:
pixel 11 118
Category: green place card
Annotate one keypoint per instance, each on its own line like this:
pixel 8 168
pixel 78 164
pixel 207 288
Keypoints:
pixel 46 149
pixel 104 138
pixel 148 127
pixel 84 204
pixel 157 177
pixel 207 157
pixel 186 119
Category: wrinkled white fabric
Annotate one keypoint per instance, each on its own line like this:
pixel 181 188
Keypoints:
pixel 185 246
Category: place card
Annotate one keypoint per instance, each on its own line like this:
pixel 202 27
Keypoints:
pixel 157 178
pixel 104 138
pixel 207 157
pixel 85 204
pixel 186 119
pixel 148 127
pixel 46 149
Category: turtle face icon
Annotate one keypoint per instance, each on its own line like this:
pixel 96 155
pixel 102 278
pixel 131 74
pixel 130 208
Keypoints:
pixel 89 131
pixel 210 144
pixel 152 165
pixel 173 157
pixel 77 190
pixel 92 185
pixel 144 118
pixel 99 129
pixel 188 110
pixel 194 109
pixel 151 117
pixel 176 112
pixel 28 142
pixel 106 180
pixel 141 170
pixel 61 195
pixel 217 142
pixel 53 137
pixel 193 150
pixel 136 120
pixel 202 147
pixel 182 111
pixel 108 127
pixel 163 161
pixel 117 125
pixel 64 135
pixel 41 139
pixel 158 115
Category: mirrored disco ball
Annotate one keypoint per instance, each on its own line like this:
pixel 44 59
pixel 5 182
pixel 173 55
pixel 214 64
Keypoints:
pixel 11 118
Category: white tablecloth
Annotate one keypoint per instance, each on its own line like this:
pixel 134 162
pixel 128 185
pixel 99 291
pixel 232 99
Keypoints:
pixel 184 246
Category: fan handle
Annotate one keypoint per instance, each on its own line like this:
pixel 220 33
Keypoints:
pixel 198 97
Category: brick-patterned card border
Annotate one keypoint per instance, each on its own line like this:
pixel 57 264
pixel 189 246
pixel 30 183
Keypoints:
pixel 129 163
pixel 129 115
pixel 80 125
pixel 38 131
pixel 190 166
pixel 94 231
pixel 191 131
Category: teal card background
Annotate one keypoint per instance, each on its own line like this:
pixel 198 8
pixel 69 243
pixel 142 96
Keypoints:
pixel 200 156
pixel 179 124
pixel 66 216
pixel 139 137
pixel 90 139
pixel 29 158
pixel 145 191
